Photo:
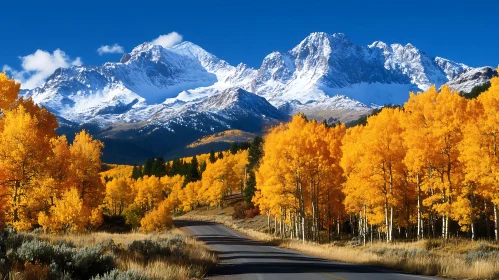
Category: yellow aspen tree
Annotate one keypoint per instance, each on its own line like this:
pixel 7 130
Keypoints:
pixel 216 181
pixel 9 90
pixel 158 219
pixel 239 169
pixel 24 149
pixel 273 192
pixel 384 152
pixel 149 192
pixel 47 122
pixel 172 188
pixel 118 195
pixel 434 120
pixel 359 198
pixel 85 166
pixel 189 196
pixel 67 215
pixel 55 180
pixel 479 154
pixel 332 195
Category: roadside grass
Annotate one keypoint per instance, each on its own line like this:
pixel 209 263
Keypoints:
pixel 103 256
pixel 454 258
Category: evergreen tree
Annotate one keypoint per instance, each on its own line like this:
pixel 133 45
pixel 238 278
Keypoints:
pixel 147 171
pixel 234 147
pixel 255 152
pixel 476 91
pixel 137 172
pixel 184 168
pixel 176 167
pixel 244 145
pixel 250 189
pixel 168 168
pixel 202 168
pixel 158 167
pixel 212 156
pixel 193 172
pixel 220 155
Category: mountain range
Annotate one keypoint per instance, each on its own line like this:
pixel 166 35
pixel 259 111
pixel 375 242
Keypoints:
pixel 156 100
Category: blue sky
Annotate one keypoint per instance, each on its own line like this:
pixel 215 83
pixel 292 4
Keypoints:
pixel 238 31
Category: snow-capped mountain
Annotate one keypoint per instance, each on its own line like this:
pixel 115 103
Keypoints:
pixel 471 77
pixel 323 66
pixel 184 88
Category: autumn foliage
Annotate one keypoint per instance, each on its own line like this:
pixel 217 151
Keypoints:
pixel 43 180
pixel 427 169
pixel 415 171
pixel 149 202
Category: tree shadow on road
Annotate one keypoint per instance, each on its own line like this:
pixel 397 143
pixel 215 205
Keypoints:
pixel 240 255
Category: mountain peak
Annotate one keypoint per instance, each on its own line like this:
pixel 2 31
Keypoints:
pixel 146 46
pixel 379 45
pixel 340 36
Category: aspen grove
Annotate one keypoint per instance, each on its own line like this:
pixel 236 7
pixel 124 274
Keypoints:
pixel 424 170
pixel 44 181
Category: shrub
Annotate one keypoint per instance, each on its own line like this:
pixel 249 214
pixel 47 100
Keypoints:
pixel 252 212
pixel 81 263
pixel 146 250
pixel 394 253
pixel 89 261
pixel 32 271
pixel 433 244
pixel 239 211
pixel 121 275
pixel 133 215
pixel 482 252
pixel 37 251
pixel 245 210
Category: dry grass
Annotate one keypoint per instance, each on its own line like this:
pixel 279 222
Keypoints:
pixel 194 266
pixel 456 258
pixel 409 257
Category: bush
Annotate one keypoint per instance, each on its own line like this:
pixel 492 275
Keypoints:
pixel 79 263
pixel 482 252
pixel 146 250
pixel 239 211
pixel 245 210
pixel 121 275
pixel 117 224
pixel 252 212
pixel 133 215
pixel 32 271
pixel 37 251
pixel 433 244
pixel 90 261
pixel 398 253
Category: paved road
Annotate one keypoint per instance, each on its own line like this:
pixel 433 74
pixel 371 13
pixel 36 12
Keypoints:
pixel 244 258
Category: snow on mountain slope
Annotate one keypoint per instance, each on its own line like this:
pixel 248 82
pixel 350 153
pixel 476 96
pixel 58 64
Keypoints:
pixel 240 76
pixel 226 108
pixel 324 75
pixel 327 68
pixel 472 77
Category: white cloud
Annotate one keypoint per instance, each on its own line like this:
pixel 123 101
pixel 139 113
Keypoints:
pixel 110 49
pixel 38 66
pixel 168 40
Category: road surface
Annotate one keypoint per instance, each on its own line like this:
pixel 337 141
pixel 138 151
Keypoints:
pixel 243 258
